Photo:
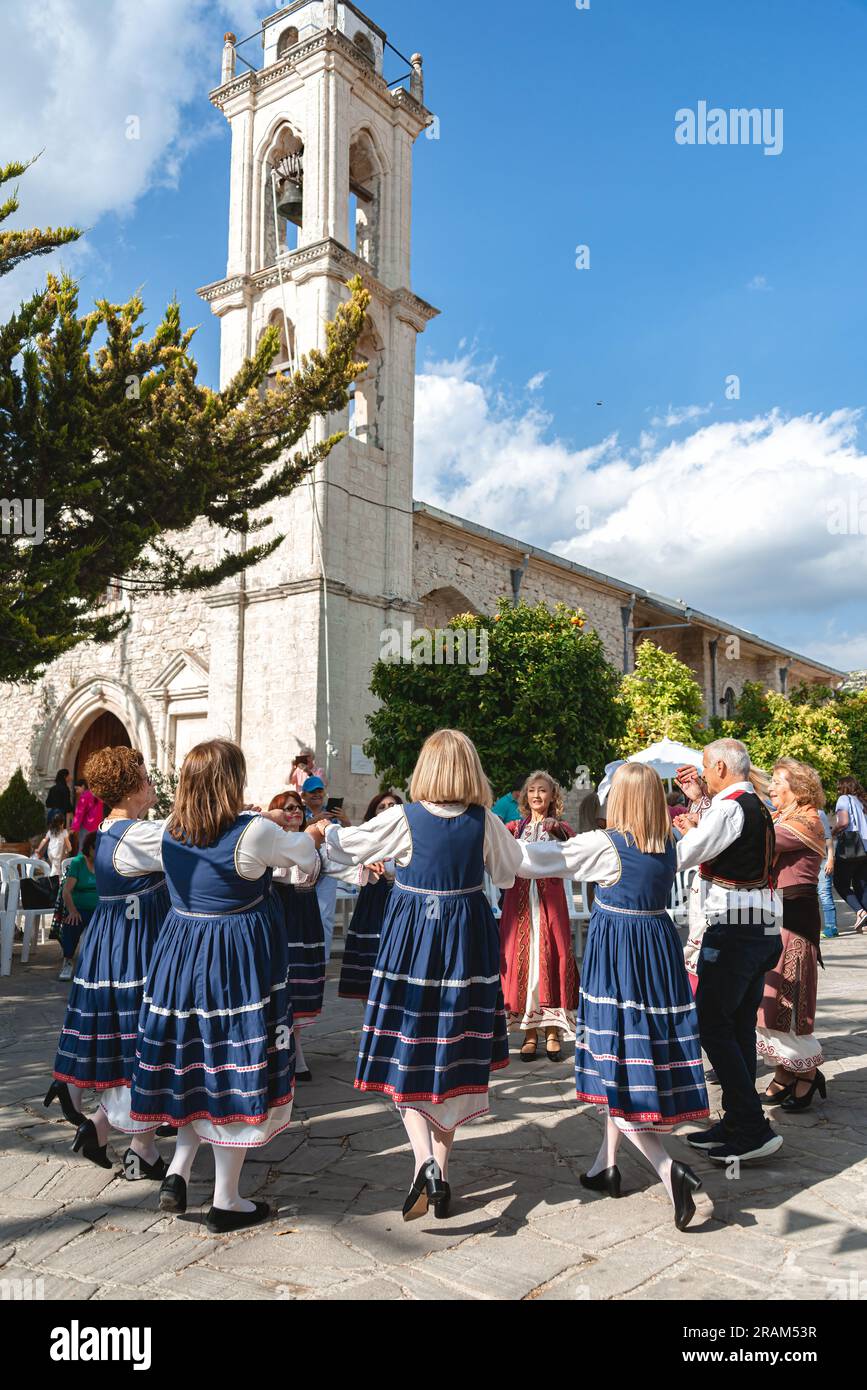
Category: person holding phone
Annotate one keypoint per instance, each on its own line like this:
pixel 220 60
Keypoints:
pixel 314 794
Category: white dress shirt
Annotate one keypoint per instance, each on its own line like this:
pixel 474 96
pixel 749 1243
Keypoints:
pixel 388 836
pixel 262 845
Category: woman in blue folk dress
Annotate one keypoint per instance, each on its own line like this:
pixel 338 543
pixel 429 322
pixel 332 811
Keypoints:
pixel 435 1025
pixel 216 1055
pixel 365 928
pixel 96 1050
pixel 637 1049
pixel 295 897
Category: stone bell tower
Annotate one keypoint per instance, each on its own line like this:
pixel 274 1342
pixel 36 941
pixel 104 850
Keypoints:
pixel 321 187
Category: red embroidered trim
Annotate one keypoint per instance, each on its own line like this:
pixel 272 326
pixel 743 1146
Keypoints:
pixel 341 994
pixel 645 1114
pixel 399 1096
pixel 206 1115
pixel 90 1085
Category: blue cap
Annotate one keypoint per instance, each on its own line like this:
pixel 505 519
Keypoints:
pixel 313 784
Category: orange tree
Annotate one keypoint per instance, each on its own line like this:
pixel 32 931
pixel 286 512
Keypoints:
pixel 531 687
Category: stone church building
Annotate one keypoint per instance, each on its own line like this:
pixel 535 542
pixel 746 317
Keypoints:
pixel 321 189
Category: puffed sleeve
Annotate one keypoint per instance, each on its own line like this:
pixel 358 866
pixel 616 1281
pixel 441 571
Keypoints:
pixel 266 845
pixel 588 858
pixel 502 852
pixel 385 837
pixel 140 851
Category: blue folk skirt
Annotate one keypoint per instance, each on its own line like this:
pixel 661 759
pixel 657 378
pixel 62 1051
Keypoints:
pixel 362 940
pixel 216 1046
pixel 637 1048
pixel 305 937
pixel 435 1025
pixel 97 1043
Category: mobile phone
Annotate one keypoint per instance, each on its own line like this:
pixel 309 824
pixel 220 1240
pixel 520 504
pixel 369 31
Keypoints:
pixel 334 803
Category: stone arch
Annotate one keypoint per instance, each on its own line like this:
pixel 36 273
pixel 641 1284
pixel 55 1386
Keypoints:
pixel 368 168
pixel 288 39
pixel 64 731
pixel 284 361
pixel 363 44
pixel 282 139
pixel 729 702
pixel 367 394
pixel 439 606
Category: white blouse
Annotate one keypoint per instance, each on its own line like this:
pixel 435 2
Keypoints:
pixel 388 836
pixel 588 858
pixel 262 845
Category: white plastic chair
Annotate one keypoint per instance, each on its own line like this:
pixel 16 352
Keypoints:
pixel 14 867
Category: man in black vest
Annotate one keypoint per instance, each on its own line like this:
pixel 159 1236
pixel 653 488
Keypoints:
pixel 734 914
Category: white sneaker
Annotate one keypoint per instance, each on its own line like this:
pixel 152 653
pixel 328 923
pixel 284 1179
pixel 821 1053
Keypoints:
pixel 66 971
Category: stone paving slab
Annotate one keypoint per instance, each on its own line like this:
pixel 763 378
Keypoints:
pixel 521 1227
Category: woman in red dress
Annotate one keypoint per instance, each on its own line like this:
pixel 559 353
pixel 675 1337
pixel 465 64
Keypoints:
pixel 537 958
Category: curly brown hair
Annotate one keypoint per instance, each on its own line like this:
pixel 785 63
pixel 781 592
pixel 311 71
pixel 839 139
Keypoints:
pixel 555 804
pixel 114 773
pixel 804 781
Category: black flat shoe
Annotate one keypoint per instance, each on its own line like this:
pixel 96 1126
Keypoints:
pixel 795 1102
pixel 427 1190
pixel 87 1142
pixel 135 1169
pixel 58 1090
pixel 777 1097
pixel 608 1181
pixel 173 1194
pixel 221 1223
pixel 529 1052
pixel 683 1183
pixel 166 1132
pixel 304 1075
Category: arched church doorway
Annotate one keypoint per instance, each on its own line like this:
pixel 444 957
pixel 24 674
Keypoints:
pixel 105 731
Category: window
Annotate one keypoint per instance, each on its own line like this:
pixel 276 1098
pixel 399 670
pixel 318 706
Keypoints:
pixel 363 44
pixel 729 701
pixel 365 182
pixel 287 40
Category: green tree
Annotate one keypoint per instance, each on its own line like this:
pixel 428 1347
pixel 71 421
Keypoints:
pixel 814 734
pixel 22 814
pixel 540 693
pixel 852 710
pixel 124 450
pixel 661 699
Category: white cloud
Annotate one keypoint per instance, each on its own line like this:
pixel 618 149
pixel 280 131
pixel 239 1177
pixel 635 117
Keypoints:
pixel 758 282
pixel 680 415
pixel 736 516
pixel 536 382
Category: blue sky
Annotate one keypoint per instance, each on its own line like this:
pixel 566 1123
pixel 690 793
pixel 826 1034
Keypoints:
pixel 556 128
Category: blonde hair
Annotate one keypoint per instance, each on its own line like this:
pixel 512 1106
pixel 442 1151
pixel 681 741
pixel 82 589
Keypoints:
pixel 555 801
pixel 637 807
pixel 804 781
pixel 448 769
pixel 210 794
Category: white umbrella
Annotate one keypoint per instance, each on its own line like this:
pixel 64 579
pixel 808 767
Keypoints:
pixel 665 757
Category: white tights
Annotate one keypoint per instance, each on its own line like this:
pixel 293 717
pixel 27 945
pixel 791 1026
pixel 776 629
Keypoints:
pixel 141 1144
pixel 227 1169
pixel 427 1139
pixel 648 1144
pixel 300 1064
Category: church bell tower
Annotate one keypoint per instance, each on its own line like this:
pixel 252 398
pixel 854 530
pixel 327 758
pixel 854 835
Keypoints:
pixel 321 190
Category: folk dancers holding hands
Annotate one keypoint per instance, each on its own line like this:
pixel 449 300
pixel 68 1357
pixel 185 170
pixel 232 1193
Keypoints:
pixel 637 1051
pixel 435 1025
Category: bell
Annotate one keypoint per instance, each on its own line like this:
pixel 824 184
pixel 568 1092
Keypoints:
pixel 290 200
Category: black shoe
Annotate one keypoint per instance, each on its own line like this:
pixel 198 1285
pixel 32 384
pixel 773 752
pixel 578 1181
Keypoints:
pixel 58 1090
pixel 220 1222
pixel 135 1169
pixel 747 1150
pixel 683 1183
pixel 608 1181
pixel 552 1055
pixel 304 1075
pixel 778 1097
pixel 795 1102
pixel 166 1132
pixel 173 1194
pixel 87 1142
pixel 428 1188
pixel 442 1201
pixel 709 1138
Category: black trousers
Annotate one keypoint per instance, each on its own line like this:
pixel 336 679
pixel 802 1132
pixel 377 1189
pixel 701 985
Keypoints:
pixel 850 880
pixel 734 959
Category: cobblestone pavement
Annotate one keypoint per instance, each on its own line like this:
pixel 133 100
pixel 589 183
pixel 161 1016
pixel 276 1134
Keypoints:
pixel 521 1226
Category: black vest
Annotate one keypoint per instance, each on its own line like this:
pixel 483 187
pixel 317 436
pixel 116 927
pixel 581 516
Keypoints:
pixel 747 863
